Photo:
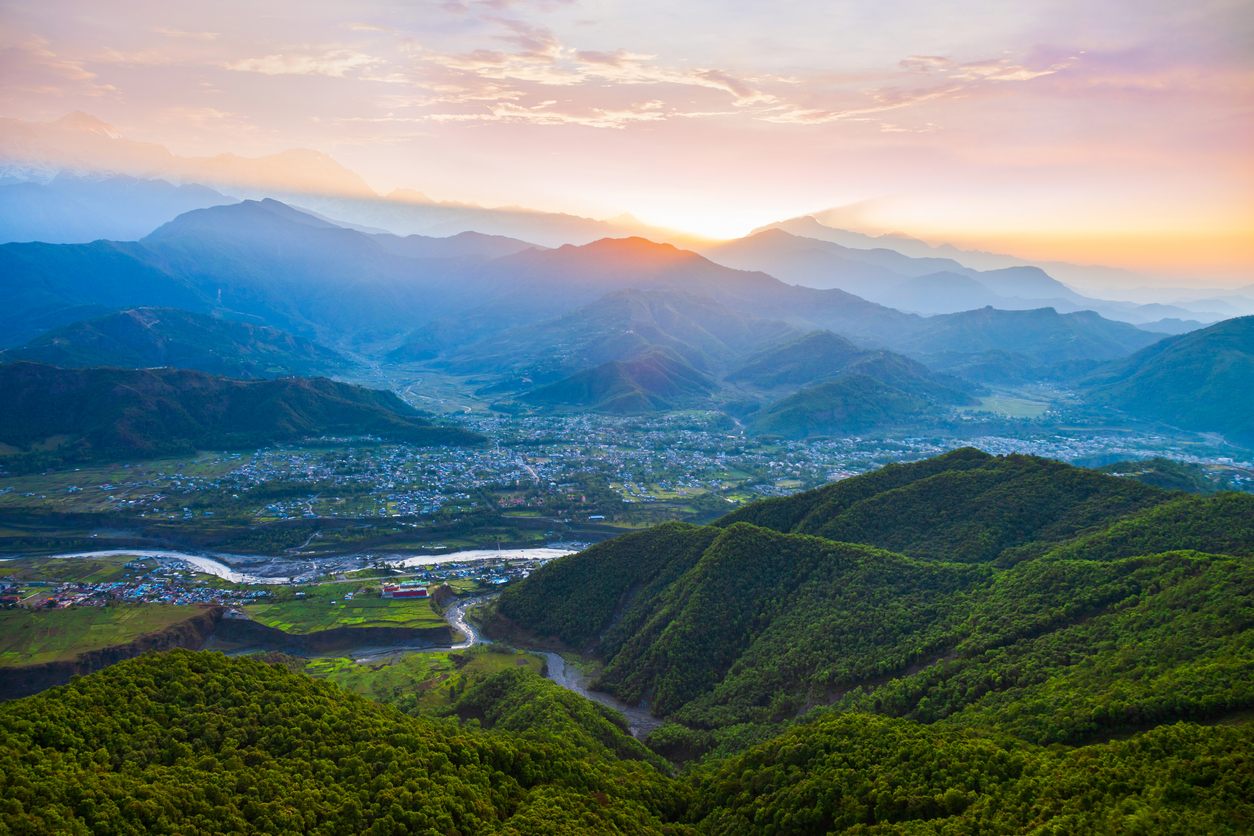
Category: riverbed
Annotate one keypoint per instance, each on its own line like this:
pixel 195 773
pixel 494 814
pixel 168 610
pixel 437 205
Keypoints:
pixel 265 569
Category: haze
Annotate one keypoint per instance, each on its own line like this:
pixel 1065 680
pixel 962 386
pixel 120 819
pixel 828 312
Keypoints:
pixel 1114 133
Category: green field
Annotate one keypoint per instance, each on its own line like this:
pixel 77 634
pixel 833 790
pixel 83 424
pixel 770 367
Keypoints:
pixel 1010 407
pixel 325 608
pixel 421 680
pixel 33 637
pixel 71 569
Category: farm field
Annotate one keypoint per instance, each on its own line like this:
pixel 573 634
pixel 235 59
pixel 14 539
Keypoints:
pixel 34 637
pixel 325 608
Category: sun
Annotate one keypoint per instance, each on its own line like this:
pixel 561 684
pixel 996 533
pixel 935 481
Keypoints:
pixel 717 223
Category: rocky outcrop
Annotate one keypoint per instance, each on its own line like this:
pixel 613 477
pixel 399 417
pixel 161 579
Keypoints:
pixel 212 627
pixel 241 633
pixel 191 633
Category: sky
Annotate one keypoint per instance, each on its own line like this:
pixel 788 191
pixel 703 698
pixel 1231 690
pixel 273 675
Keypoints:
pixel 1115 132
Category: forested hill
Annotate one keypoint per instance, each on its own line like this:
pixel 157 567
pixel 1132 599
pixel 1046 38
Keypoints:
pixel 201 743
pixel 1051 602
pixel 142 338
pixel 964 506
pixel 50 414
pixel 198 743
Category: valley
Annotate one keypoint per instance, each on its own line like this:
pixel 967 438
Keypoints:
pixel 538 479
pixel 892 471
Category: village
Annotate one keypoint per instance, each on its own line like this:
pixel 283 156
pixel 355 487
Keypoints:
pixel 566 467
pixel 146 581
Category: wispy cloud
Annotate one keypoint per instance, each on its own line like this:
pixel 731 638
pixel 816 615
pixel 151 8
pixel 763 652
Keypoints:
pixel 31 65
pixel 330 62
pixel 549 113
pixel 183 34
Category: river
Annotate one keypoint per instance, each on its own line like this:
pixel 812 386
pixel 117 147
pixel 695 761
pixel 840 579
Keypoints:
pixel 265 569
pixel 639 720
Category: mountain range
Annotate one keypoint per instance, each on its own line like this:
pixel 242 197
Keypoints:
pixel 620 324
pixel 306 274
pixel 804 252
pixel 80 147
pixel 873 390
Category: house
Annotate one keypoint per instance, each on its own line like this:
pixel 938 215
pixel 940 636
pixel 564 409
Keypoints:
pixel 403 591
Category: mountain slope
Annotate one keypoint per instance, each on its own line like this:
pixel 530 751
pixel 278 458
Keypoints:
pixel 812 357
pixel 148 337
pixel 964 506
pixel 161 742
pixel 51 414
pixel 856 773
pixel 654 380
pixel 1010 600
pixel 874 390
pixel 1043 335
pixel 619 326
pixel 1198 381
pixel 44 286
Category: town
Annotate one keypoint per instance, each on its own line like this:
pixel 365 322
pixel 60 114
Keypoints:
pixel 539 478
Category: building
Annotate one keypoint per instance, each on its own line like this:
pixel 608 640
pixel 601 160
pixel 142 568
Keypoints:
pixel 405 590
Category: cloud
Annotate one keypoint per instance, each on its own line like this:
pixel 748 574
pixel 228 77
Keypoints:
pixel 995 69
pixel 548 113
pixel 183 34
pixel 30 65
pixel 333 63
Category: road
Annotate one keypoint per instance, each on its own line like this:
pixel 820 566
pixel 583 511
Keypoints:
pixel 557 669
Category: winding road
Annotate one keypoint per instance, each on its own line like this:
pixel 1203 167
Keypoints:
pixel 639 720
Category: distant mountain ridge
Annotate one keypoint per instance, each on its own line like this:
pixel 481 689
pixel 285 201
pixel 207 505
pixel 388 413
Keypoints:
pixel 463 300
pixel 73 209
pixel 79 144
pixel 806 252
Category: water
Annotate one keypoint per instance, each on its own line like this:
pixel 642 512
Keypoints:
pixel 639 720
pixel 547 553
pixel 264 569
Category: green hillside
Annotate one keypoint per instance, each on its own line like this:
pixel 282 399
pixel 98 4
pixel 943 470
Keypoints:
pixel 656 380
pixel 1201 380
pixel 142 338
pixel 964 506
pixel 201 743
pixel 862 774
pixel 1015 593
pixel 196 742
pixel 50 414
pixel 815 356
pixel 877 389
